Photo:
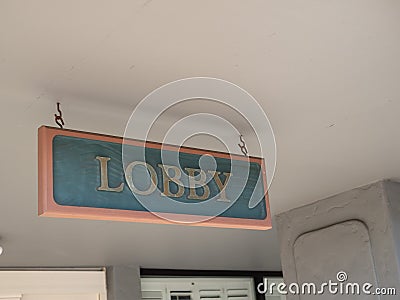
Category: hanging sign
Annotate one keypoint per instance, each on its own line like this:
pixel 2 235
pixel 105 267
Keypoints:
pixel 92 176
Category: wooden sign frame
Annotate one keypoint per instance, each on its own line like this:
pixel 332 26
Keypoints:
pixel 48 207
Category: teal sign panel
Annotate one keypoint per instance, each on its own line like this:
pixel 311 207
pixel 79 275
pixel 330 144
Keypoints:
pixel 93 174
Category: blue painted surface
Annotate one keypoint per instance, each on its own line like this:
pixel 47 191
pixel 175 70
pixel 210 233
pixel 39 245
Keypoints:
pixel 76 177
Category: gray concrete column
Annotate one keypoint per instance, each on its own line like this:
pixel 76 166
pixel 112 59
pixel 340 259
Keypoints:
pixel 123 283
pixel 357 232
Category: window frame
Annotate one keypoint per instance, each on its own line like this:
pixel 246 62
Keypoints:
pixel 257 276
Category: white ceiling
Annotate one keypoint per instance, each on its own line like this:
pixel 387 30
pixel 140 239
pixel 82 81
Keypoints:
pixel 327 74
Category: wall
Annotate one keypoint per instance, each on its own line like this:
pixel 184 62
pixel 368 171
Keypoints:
pixel 355 232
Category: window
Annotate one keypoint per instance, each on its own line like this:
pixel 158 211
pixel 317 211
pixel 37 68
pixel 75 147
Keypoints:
pixel 198 288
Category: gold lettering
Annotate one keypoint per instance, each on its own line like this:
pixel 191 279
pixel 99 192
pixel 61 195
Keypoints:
pixel 175 179
pixel 201 182
pixel 221 186
pixel 153 183
pixel 104 176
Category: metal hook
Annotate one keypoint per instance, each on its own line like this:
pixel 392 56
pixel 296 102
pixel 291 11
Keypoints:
pixel 243 147
pixel 58 118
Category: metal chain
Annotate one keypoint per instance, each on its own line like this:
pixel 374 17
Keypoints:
pixel 243 147
pixel 58 118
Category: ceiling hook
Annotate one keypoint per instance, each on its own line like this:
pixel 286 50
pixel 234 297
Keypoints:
pixel 58 118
